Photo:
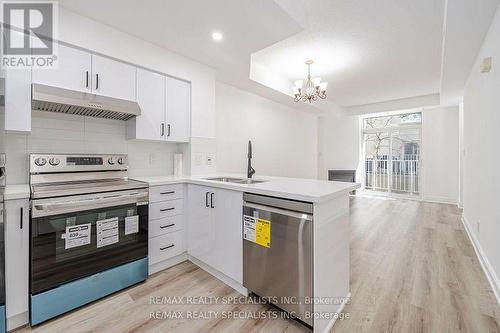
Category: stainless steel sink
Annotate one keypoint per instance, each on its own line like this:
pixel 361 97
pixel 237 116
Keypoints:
pixel 236 180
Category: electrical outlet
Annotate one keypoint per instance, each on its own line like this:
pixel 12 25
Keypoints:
pixel 209 159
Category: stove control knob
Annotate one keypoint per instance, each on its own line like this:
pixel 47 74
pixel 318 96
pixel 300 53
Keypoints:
pixel 54 161
pixel 40 161
pixel 111 160
pixel 120 160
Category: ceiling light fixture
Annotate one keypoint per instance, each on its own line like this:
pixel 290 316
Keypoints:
pixel 310 89
pixel 217 36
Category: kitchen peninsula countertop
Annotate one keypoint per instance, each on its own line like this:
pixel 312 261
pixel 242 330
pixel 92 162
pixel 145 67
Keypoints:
pixel 310 190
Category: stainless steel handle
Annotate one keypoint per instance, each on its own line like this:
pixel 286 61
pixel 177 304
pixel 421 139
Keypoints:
pixel 96 81
pixel 206 199
pixel 167 226
pixel 21 218
pixel 162 129
pixel 169 192
pixel 86 79
pixel 168 129
pixel 167 247
pixel 297 215
pixel 167 209
pixel 51 208
pixel 212 195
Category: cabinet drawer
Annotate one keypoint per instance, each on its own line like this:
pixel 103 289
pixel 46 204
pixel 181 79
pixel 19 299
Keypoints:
pixel 165 192
pixel 165 225
pixel 166 246
pixel 165 209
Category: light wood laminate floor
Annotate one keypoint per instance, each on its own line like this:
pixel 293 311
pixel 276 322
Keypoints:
pixel 413 269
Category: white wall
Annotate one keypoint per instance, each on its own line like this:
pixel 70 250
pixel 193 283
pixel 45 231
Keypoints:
pixel 482 157
pixel 338 144
pixel 440 151
pixel 61 133
pixel 339 147
pixel 284 140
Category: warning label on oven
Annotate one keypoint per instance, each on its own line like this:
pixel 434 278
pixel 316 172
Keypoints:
pixel 77 235
pixel 257 230
pixel 131 225
pixel 107 232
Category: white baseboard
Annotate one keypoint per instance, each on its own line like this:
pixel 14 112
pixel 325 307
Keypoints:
pixel 18 320
pixel 155 268
pixel 441 200
pixel 339 311
pixel 483 260
pixel 220 276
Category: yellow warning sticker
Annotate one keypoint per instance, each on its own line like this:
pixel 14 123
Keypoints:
pixel 263 233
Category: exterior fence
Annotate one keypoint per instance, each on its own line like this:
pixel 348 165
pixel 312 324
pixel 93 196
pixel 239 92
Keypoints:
pixel 402 176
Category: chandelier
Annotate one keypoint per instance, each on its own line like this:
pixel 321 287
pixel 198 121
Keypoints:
pixel 310 89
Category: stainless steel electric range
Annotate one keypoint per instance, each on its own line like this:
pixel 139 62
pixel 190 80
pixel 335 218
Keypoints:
pixel 89 231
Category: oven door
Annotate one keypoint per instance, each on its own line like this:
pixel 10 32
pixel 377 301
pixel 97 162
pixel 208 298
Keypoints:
pixel 78 236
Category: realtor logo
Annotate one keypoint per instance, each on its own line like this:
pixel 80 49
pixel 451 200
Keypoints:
pixel 28 34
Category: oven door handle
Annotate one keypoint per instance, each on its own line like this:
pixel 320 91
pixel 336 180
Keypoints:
pixel 53 208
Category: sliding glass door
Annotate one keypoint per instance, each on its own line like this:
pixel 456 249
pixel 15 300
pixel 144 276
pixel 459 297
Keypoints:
pixel 392 154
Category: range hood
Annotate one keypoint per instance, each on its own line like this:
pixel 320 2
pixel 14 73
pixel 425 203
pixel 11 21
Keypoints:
pixel 53 99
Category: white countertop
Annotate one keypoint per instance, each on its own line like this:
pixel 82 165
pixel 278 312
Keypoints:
pixel 311 190
pixel 13 192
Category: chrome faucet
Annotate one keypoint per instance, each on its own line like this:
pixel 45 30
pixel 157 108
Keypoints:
pixel 250 170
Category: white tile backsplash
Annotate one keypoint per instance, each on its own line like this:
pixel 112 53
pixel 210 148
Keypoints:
pixel 62 133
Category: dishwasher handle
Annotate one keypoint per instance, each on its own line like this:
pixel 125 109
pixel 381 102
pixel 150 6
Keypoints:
pixel 297 215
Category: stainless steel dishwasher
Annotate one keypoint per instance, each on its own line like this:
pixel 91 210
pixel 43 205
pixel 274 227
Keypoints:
pixel 278 252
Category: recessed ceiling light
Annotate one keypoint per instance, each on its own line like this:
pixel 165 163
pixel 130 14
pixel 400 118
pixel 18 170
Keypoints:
pixel 217 36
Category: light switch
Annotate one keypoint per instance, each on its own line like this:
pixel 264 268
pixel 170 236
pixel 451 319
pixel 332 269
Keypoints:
pixel 486 65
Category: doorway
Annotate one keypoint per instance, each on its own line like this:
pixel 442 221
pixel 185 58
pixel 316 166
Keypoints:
pixel 391 150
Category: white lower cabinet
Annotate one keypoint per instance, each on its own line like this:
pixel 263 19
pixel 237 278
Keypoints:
pixel 215 229
pixel 166 226
pixel 17 239
pixel 165 247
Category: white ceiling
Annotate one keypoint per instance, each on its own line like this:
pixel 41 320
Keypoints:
pixel 186 27
pixel 369 51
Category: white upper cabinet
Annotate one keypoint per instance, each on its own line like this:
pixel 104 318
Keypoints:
pixel 150 125
pixel 73 71
pixel 178 110
pixel 165 109
pixel 113 78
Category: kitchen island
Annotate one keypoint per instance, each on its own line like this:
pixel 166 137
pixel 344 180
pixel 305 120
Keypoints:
pixel 214 231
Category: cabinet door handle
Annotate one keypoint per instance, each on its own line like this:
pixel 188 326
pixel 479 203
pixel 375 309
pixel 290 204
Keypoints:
pixel 212 200
pixel 167 209
pixel 206 199
pixel 162 129
pixel 22 218
pixel 167 247
pixel 167 226
pixel 168 130
pixel 86 79
pixel 169 192
pixel 97 81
